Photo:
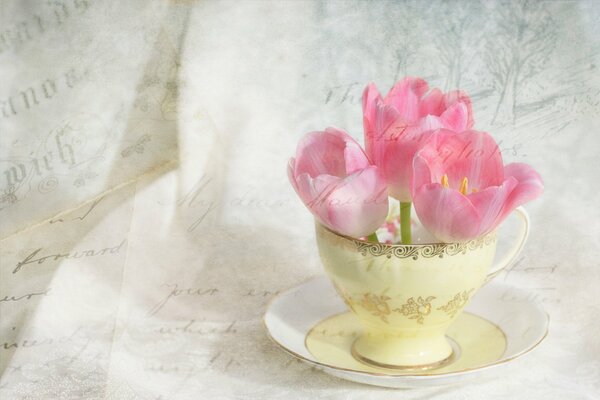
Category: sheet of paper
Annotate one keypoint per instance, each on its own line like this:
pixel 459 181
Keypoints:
pixel 60 289
pixel 87 101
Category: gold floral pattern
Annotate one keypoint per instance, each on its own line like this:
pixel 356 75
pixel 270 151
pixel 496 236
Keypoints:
pixel 416 309
pixel 457 303
pixel 377 305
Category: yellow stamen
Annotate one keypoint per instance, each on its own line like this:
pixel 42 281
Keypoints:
pixel 445 181
pixel 464 186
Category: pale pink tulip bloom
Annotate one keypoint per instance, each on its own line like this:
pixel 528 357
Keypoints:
pixel 337 183
pixel 462 190
pixel 396 126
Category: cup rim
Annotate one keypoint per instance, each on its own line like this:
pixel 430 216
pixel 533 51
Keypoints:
pixel 485 238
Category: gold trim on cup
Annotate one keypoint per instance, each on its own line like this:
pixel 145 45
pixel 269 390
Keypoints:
pixel 414 251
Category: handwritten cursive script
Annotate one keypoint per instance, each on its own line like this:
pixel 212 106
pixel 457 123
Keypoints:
pixel 30 259
pixel 175 291
pixel 27 296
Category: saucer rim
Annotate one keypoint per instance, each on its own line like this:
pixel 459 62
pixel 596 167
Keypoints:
pixel 421 376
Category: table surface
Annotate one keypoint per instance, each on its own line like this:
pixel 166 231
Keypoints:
pixel 146 215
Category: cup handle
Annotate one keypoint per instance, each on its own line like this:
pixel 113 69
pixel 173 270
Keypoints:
pixel 513 253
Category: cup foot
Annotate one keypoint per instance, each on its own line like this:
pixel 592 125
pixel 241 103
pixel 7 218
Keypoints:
pixel 382 357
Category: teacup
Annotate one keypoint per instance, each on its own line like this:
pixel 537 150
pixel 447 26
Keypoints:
pixel 406 296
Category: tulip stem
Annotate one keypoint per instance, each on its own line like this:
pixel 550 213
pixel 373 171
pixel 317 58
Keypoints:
pixel 373 237
pixel 405 230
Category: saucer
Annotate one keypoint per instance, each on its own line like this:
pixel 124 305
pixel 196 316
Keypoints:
pixel 312 323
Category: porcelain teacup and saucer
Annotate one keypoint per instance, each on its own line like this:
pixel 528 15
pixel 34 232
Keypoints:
pixel 413 315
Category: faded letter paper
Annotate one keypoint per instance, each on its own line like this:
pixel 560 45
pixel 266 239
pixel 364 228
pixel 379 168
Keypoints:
pixel 82 115
pixel 87 101
pixel 59 294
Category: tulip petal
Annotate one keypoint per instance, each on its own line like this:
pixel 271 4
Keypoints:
pixel 323 185
pixel 389 128
pixel 431 161
pixel 458 96
pixel 397 162
pixel 431 123
pixel 385 117
pixel 325 152
pixel 421 172
pixel 377 116
pixel 370 98
pixel 359 205
pixel 405 96
pixel 291 174
pixel 377 120
pixel 530 186
pixel 305 188
pixel 489 204
pixel 318 152
pixel 354 156
pixel 456 117
pixel 446 213
pixel 433 103
pixel 474 155
pixel 314 193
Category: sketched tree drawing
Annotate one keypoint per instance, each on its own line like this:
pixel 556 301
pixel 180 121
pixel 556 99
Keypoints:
pixel 518 50
pixel 403 29
pixel 457 38
pixel 404 50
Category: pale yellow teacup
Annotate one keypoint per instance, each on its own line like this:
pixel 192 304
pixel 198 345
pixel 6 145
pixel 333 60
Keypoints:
pixel 406 296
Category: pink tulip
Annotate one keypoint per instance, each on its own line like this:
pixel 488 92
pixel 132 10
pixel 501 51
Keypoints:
pixel 462 189
pixel 335 180
pixel 396 126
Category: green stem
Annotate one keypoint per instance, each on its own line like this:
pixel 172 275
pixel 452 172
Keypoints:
pixel 373 238
pixel 405 230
